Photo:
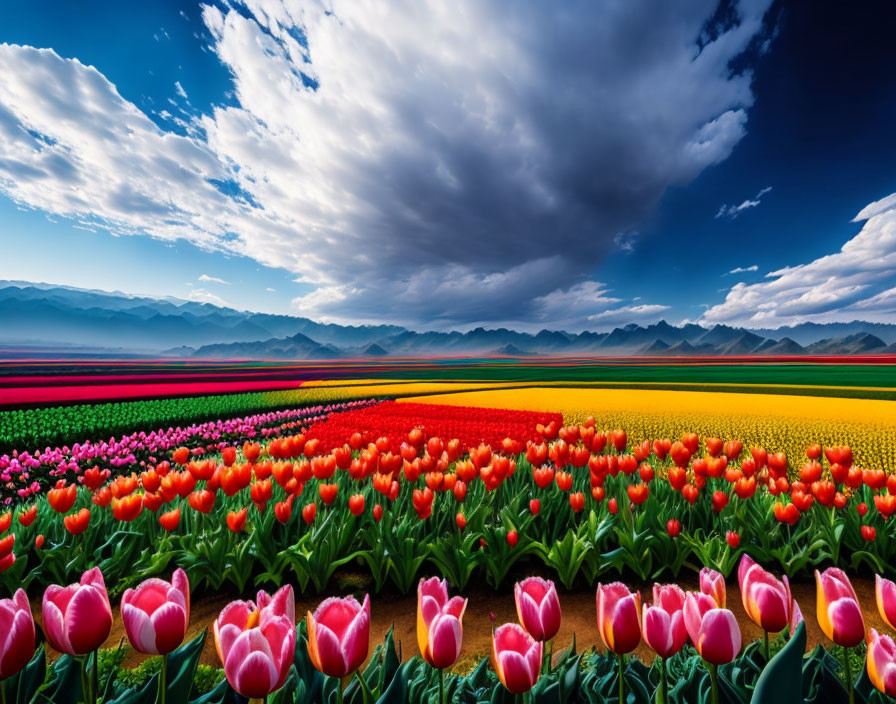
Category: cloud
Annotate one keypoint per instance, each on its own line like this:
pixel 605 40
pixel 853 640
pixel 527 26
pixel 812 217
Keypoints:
pixel 858 282
pixel 180 89
pixel 212 279
pixel 200 295
pixel 403 166
pixel 271 290
pixel 628 314
pixel 743 269
pixel 732 211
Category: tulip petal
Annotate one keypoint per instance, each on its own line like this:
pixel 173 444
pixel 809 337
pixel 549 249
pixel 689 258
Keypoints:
pixel 445 637
pixel 170 626
pixel 88 619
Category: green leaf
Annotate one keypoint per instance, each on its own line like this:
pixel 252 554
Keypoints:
pixel 781 682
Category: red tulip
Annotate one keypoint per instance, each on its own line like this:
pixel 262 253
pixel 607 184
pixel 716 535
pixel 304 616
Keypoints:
pixel 170 519
pixel 309 511
pixel 534 506
pixel 356 504
pixel 377 513
pixel 577 501
pixel 673 527
pixel 512 538
pixel 26 518
pixel 77 523
pixel 62 498
pixel 236 520
pixel 733 539
pixel 461 521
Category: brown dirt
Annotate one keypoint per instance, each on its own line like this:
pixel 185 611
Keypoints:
pixel 579 618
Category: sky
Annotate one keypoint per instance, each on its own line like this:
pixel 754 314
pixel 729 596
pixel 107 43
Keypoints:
pixel 453 164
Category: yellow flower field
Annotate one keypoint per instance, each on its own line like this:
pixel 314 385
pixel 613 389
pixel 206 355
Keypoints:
pixel 778 422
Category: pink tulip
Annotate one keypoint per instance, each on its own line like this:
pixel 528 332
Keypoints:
pixel 839 614
pixel 881 663
pixel 439 623
pixel 339 635
pixel 662 624
pixel 516 657
pixel 885 591
pixel 78 618
pixel 17 642
pixel 256 642
pixel 538 607
pixel 767 600
pixel 157 613
pixel 713 584
pixel 618 617
pixel 713 630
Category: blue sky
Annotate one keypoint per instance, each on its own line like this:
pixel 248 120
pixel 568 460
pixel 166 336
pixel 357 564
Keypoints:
pixel 445 168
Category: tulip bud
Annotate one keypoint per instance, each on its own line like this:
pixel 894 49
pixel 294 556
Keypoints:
pixel 534 506
pixel 512 538
pixel 839 614
pixel 673 527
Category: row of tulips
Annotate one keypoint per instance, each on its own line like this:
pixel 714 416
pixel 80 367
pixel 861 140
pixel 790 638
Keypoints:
pixel 25 473
pixel 257 640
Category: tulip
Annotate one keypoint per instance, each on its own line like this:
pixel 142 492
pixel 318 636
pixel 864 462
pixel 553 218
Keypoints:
pixel 538 609
pixel 663 628
pixel 619 623
pixel 439 626
pixel 713 631
pixel 77 621
pixel 516 657
pixel 156 615
pixel 256 642
pixel 339 636
pixel 839 615
pixel 712 583
pixel 17 635
pixel 767 600
pixel 885 593
pixel 881 663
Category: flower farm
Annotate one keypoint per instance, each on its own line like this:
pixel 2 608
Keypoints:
pixel 391 539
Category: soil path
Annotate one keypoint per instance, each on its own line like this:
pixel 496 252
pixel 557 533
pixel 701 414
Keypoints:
pixel 579 618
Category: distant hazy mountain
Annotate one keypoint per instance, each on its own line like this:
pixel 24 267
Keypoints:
pixel 45 319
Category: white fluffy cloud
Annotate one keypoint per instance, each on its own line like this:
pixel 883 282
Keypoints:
pixel 858 282
pixel 212 280
pixel 419 162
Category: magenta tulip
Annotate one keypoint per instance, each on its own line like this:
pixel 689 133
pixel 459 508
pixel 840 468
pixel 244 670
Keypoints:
pixel 713 631
pixel 17 636
pixel 713 584
pixel 766 599
pixel 516 657
pixel 881 663
pixel 339 635
pixel 439 623
pixel 619 623
pixel 839 614
pixel 662 623
pixel 538 607
pixel 885 591
pixel 78 618
pixel 256 642
pixel 156 614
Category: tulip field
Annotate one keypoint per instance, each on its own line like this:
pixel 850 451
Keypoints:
pixel 710 545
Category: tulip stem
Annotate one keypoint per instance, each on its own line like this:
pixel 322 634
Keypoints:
pixel 441 686
pixel 621 659
pixel 765 642
pixel 2 691
pixel 847 671
pixel 163 680
pixel 338 690
pixel 95 676
pixel 664 685
pixel 714 681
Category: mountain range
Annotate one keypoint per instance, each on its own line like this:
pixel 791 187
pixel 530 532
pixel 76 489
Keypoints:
pixel 43 319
